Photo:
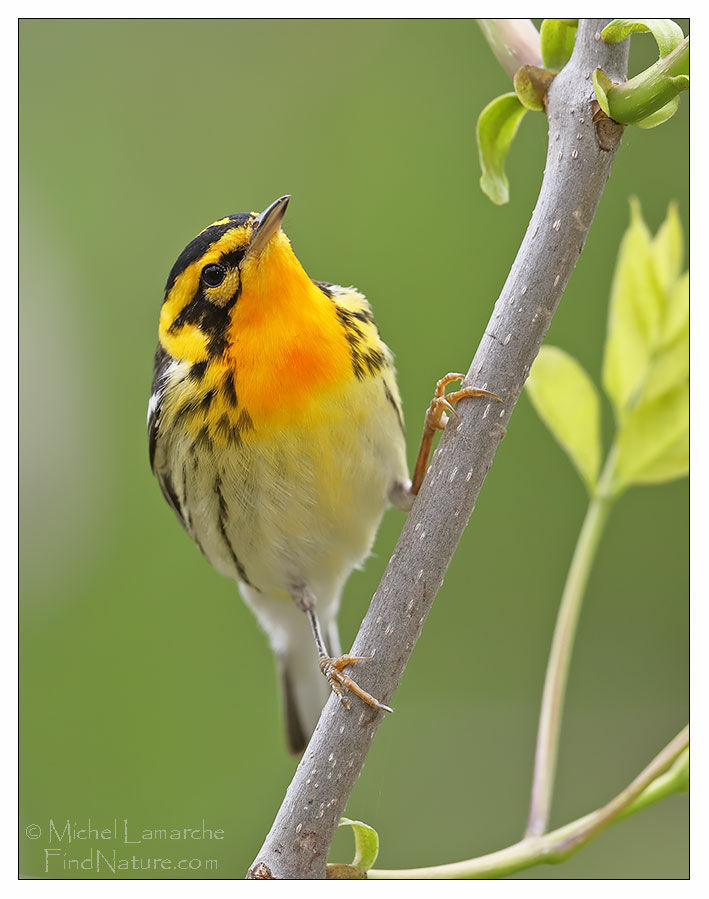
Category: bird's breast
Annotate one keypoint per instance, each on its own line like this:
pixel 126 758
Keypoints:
pixel 302 502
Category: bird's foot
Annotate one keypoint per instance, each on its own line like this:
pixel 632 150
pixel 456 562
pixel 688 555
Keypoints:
pixel 341 682
pixel 436 417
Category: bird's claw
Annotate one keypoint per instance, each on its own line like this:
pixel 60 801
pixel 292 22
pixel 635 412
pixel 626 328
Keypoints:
pixel 436 417
pixel 341 682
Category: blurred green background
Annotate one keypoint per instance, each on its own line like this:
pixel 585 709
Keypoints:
pixel 147 690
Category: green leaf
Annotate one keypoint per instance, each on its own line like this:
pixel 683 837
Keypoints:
pixel 567 401
pixel 646 98
pixel 653 443
pixel 662 115
pixel 531 86
pixel 558 39
pixel 634 315
pixel 497 126
pixel 667 33
pixel 668 249
pixel 602 84
pixel 669 368
pixel 677 312
pixel 366 843
pixel 670 363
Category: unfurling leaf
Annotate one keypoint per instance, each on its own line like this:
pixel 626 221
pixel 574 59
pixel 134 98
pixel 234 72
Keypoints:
pixel 653 444
pixel 667 33
pixel 497 126
pixel 567 401
pixel 557 39
pixel 649 98
pixel 634 315
pixel 366 843
pixel 657 118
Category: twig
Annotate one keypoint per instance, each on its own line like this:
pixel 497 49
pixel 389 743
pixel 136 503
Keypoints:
pixel 560 656
pixel 577 169
pixel 558 845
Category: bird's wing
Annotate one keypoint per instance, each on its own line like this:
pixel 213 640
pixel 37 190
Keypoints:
pixel 163 361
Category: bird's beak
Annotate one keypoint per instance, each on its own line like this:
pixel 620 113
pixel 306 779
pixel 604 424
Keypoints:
pixel 267 223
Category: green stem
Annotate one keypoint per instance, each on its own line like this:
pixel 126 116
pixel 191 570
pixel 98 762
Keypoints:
pixel 652 89
pixel 555 847
pixel 676 780
pixel 561 648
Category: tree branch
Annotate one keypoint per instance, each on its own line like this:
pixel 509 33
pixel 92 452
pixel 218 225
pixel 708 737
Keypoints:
pixel 576 171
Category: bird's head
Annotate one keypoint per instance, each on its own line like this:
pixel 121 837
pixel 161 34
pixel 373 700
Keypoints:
pixel 238 271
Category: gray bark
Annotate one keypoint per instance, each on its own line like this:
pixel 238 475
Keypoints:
pixel 577 169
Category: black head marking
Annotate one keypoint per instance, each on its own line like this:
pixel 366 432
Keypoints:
pixel 196 248
pixel 211 318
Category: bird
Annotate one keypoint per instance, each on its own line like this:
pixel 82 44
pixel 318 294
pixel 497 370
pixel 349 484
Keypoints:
pixel 276 433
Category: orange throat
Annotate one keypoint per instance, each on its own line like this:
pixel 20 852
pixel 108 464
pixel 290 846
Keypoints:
pixel 286 346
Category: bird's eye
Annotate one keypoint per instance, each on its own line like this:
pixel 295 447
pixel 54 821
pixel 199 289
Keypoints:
pixel 213 275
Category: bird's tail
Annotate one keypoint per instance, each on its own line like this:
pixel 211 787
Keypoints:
pixel 305 689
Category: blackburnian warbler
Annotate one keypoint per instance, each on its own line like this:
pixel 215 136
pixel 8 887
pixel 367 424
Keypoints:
pixel 277 437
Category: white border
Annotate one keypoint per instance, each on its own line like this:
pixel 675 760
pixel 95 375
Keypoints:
pixel 8 444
